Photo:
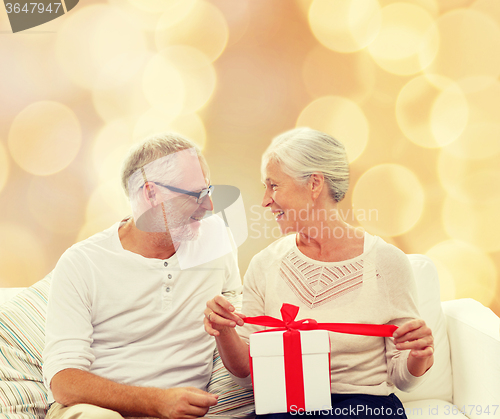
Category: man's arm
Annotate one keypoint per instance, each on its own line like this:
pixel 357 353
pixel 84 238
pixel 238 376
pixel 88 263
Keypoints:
pixel 72 386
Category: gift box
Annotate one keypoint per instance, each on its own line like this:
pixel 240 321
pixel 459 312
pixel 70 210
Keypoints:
pixel 287 378
pixel 290 364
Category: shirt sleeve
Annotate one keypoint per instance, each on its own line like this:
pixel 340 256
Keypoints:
pixel 401 289
pixel 68 334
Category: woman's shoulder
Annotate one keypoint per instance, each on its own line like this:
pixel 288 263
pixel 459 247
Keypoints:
pixel 389 258
pixel 276 251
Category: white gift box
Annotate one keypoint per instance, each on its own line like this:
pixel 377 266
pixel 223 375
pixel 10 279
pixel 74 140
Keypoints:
pixel 268 372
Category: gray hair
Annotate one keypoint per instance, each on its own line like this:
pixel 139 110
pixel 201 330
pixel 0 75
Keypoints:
pixel 153 149
pixel 304 151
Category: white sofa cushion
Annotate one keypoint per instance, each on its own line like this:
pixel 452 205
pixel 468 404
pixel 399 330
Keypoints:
pixel 438 382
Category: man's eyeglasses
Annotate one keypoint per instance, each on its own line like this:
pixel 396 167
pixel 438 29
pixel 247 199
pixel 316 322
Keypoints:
pixel 200 196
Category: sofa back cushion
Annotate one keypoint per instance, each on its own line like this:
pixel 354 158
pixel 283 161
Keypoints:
pixel 22 335
pixel 438 381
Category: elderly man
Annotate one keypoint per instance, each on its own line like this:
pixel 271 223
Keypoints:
pixel 124 334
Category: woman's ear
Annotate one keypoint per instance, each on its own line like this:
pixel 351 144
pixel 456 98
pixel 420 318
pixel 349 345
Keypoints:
pixel 149 193
pixel 316 182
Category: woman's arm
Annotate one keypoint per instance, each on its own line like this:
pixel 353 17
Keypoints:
pixel 220 321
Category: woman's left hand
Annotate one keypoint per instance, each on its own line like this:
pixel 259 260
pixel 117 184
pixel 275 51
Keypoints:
pixel 416 336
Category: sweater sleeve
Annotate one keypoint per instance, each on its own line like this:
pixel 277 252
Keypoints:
pixel 69 328
pixel 396 270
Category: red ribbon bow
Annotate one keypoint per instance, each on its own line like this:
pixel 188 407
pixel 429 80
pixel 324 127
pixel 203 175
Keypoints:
pixel 291 342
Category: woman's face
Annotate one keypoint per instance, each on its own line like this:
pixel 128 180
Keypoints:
pixel 290 203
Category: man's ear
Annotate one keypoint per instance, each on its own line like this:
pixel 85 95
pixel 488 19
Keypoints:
pixel 316 183
pixel 149 193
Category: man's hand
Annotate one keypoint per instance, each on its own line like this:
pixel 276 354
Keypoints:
pixel 185 403
pixel 416 336
pixel 220 314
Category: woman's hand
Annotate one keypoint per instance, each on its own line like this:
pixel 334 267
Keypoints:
pixel 416 336
pixel 220 315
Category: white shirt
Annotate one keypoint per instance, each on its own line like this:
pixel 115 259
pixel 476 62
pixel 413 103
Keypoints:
pixel 131 319
pixel 376 287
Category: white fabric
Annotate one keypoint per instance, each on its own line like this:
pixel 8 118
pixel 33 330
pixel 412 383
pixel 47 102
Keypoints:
pixel 132 319
pixel 386 293
pixel 437 383
pixel 7 293
pixel 474 333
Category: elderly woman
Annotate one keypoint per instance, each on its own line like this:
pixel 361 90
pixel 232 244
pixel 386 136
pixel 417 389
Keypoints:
pixel 335 273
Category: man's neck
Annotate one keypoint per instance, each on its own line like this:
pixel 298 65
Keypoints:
pixel 149 245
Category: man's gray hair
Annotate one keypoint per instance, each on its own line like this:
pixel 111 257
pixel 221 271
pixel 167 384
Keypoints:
pixel 151 149
pixel 304 151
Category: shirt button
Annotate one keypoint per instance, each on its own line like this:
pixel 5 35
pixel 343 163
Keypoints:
pixel 169 276
pixel 167 289
pixel 166 264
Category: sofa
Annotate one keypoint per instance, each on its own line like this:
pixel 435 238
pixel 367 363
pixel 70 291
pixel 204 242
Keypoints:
pixel 464 381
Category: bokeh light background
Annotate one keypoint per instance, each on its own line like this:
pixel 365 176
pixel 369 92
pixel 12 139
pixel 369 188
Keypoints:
pixel 411 87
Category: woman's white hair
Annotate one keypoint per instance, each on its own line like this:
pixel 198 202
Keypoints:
pixel 152 149
pixel 304 151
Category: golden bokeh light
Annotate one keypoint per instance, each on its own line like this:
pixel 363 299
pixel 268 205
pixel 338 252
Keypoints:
pixel 22 256
pixel 197 73
pixel 388 200
pixel 107 205
pixel 475 223
pixel 490 8
pixel 111 144
pixel 163 86
pixel 342 118
pixel 473 271
pixel 44 138
pixel 345 26
pixel 154 121
pixel 172 7
pixel 467 39
pixel 94 36
pixel 481 137
pixel 64 192
pixel 326 72
pixel 469 181
pixel 4 166
pixel 432 111
pixel 125 95
pixel 407 41
pixel 203 27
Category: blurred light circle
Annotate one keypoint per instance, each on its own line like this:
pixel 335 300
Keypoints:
pixel 173 7
pixel 469 181
pixel 342 118
pixel 481 137
pixel 490 8
pixel 44 138
pixel 108 203
pixel 154 122
pixel 388 200
pixel 467 38
pixel 473 271
pixel 111 144
pixel 22 256
pixel 432 111
pixel 4 166
pixel 58 202
pixel 406 30
pixel 326 72
pixel 197 73
pixel 125 95
pixel 347 25
pixel 203 28
pixel 474 223
pixel 93 36
pixel 163 86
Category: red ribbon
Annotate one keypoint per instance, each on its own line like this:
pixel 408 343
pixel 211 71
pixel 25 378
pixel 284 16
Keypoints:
pixel 294 377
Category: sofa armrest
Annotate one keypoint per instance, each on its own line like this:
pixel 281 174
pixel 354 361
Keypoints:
pixel 474 335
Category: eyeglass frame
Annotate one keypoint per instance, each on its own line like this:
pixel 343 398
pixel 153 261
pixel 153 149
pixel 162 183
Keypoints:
pixel 200 196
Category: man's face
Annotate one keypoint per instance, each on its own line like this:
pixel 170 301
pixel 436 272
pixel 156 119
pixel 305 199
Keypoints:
pixel 182 212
